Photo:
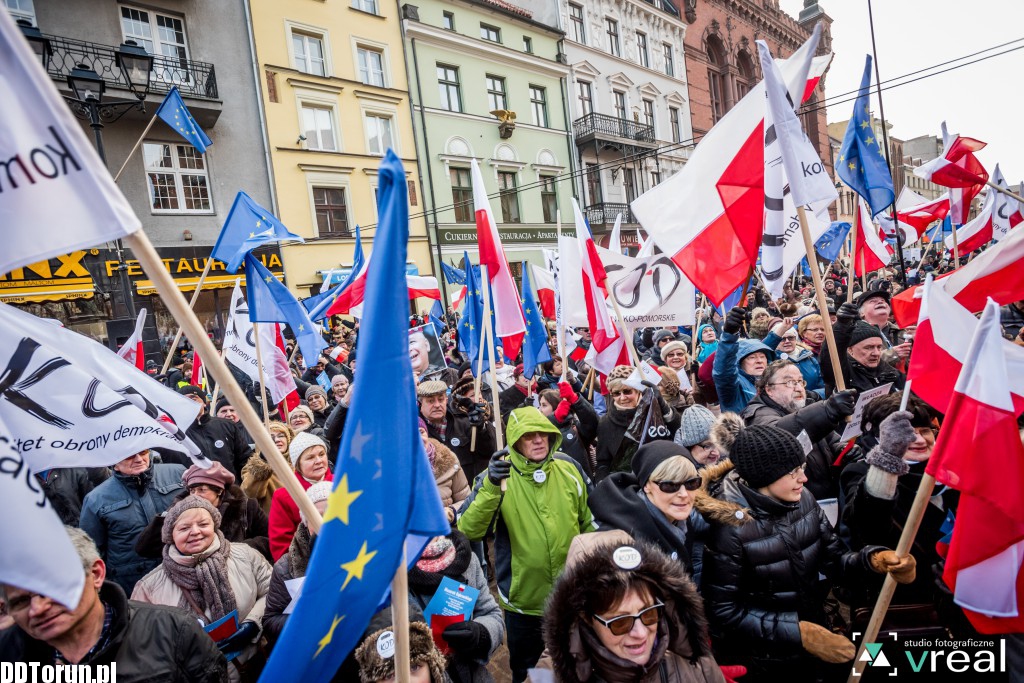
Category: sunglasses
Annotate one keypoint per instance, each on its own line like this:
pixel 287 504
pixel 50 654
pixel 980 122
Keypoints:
pixel 624 392
pixel 620 626
pixel 674 486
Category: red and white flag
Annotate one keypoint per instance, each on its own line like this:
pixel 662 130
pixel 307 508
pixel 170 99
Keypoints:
pixel 709 216
pixel 998 214
pixel 291 399
pixel 132 350
pixel 544 287
pixel 871 251
pixel 350 302
pixel 979 453
pixel 998 273
pixel 509 323
pixel 941 346
pixel 917 213
pixel 198 378
pixel 956 166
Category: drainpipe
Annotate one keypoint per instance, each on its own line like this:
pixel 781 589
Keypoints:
pixel 261 109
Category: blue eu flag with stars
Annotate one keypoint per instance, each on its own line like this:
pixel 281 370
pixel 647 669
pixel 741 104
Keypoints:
pixel 471 324
pixel 861 162
pixel 271 302
pixel 175 114
pixel 535 344
pixel 384 497
pixel 831 242
pixel 453 275
pixel 247 226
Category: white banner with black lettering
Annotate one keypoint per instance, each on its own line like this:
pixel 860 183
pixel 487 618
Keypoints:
pixel 651 291
pixel 69 401
pixel 240 349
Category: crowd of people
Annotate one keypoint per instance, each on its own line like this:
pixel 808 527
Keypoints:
pixel 740 540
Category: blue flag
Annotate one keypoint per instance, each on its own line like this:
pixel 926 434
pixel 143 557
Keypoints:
pixel 471 325
pixel 384 494
pixel 861 162
pixel 436 317
pixel 734 299
pixel 175 114
pixel 318 305
pixel 453 274
pixel 247 226
pixel 940 230
pixel 535 344
pixel 831 242
pixel 271 302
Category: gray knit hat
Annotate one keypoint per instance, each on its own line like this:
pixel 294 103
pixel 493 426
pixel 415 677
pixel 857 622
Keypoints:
pixel 315 389
pixel 695 426
pixel 176 510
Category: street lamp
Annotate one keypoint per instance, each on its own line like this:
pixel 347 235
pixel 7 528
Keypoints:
pixel 136 66
pixel 39 43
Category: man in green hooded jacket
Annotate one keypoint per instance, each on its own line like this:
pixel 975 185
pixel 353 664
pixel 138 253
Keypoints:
pixel 535 519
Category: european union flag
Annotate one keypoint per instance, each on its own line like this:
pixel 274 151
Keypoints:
pixel 831 242
pixel 247 226
pixel 318 305
pixel 535 344
pixel 436 318
pixel 384 492
pixel 453 274
pixel 734 298
pixel 271 302
pixel 940 230
pixel 175 114
pixel 804 267
pixel 861 162
pixel 471 325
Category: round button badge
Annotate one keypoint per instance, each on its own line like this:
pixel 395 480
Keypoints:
pixel 540 476
pixel 626 557
pixel 386 645
pixel 455 441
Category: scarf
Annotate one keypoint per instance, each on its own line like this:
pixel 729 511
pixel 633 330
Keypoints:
pixel 425 583
pixel 204 577
pixel 813 348
pixel 431 450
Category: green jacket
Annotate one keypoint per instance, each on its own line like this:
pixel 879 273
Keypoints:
pixel 534 523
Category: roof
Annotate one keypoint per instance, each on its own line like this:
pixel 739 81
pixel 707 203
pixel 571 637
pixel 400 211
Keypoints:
pixel 509 7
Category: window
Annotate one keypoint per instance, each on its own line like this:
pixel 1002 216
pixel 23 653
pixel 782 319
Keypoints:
pixel 716 77
pixel 366 6
pixel 619 102
pixel 594 184
pixel 21 9
pixel 655 178
pixel 462 195
pixel 491 33
pixel 673 122
pixel 509 197
pixel 670 60
pixel 746 78
pixel 177 178
pixel 378 133
pixel 318 124
pixel 371 66
pixel 448 21
pixel 642 56
pixel 539 105
pixel 331 212
pixel 629 184
pixel 161 35
pixel 448 84
pixel 308 52
pixel 612 28
pixel 649 116
pixel 496 98
pixel 528 44
pixel 548 198
pixel 585 94
pixel 579 30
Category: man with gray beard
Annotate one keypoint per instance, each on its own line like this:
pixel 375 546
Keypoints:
pixel 783 401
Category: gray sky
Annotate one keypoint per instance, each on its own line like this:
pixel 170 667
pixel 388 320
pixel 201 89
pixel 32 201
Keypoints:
pixel 982 100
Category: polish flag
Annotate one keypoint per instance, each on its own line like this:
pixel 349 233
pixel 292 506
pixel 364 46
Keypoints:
pixel 998 214
pixel 281 382
pixel 509 323
pixel 956 166
pixel 979 453
pixel 544 286
pixel 458 296
pixel 918 213
pixel 871 251
pixel 198 378
pixel 941 347
pixel 351 300
pixel 132 350
pixel 709 216
pixel 607 345
pixel 998 273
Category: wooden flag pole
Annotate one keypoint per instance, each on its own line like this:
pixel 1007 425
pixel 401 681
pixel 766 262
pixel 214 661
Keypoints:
pixel 851 276
pixel 1005 191
pixel 264 394
pixel 150 261
pixel 956 248
pixel 135 148
pixel 400 619
pixel 822 304
pixel 496 413
pixel 191 305
pixel 559 326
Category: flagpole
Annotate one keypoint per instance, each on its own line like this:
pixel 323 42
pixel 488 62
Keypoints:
pixel 560 327
pixel 1005 191
pixel 135 148
pixel 400 619
pixel 485 329
pixel 495 410
pixel 191 305
pixel 264 394
pixel 956 248
pixel 175 301
pixel 851 276
pixel 822 304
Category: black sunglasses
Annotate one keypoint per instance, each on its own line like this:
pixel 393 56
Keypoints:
pixel 620 626
pixel 674 486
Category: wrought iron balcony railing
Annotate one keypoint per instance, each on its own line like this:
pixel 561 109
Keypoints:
pixel 605 213
pixel 194 79
pixel 602 125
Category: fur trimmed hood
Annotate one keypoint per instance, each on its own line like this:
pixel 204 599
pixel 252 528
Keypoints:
pixel 709 502
pixel 444 459
pixel 683 626
pixel 373 667
pixel 724 431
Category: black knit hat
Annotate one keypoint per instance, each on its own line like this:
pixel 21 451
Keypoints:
pixel 650 455
pixel 862 331
pixel 763 454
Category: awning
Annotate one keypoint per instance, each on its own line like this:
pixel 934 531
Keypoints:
pixel 339 274
pixel 56 290
pixel 187 284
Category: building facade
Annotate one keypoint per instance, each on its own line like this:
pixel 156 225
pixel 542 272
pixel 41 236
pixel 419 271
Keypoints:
pixel 487 84
pixel 629 103
pixel 334 91
pixel 180 195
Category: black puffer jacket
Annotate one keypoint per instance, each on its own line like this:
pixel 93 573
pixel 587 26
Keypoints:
pixel 761 577
pixel 291 565
pixel 149 643
pixel 221 440
pixel 579 430
pixel 458 437
pixel 857 376
pixel 66 488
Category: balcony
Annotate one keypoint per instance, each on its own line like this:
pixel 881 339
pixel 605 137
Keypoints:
pixel 605 213
pixel 595 126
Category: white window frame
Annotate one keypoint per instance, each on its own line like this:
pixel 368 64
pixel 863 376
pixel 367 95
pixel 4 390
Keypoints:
pixel 643 50
pixel 375 114
pixel 358 43
pixel 669 55
pixel 370 71
pixel 178 172
pixel 158 73
pixel 20 12
pixel 292 28
pixel 362 5
pixel 309 98
pixel 369 107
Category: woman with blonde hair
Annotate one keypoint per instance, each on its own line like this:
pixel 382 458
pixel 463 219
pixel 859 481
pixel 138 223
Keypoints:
pixel 258 478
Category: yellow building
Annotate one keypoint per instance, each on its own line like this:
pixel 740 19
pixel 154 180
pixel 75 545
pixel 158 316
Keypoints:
pixel 333 86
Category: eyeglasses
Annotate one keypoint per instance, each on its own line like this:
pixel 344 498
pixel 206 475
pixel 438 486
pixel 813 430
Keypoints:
pixel 707 445
pixel 203 488
pixel 22 602
pixel 674 486
pixel 620 626
pixel 797 471
pixel 791 383
pixel 623 392
pixel 928 433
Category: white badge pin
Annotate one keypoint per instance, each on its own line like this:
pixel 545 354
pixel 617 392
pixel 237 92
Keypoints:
pixel 569 436
pixel 455 441
pixel 626 557
pixel 386 645
pixel 218 443
pixel 540 476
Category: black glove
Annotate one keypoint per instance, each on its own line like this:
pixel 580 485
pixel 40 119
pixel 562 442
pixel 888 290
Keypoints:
pixel 895 435
pixel 465 402
pixel 469 639
pixel 240 638
pixel 840 405
pixel 848 313
pixel 734 320
pixel 499 468
pixel 476 414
